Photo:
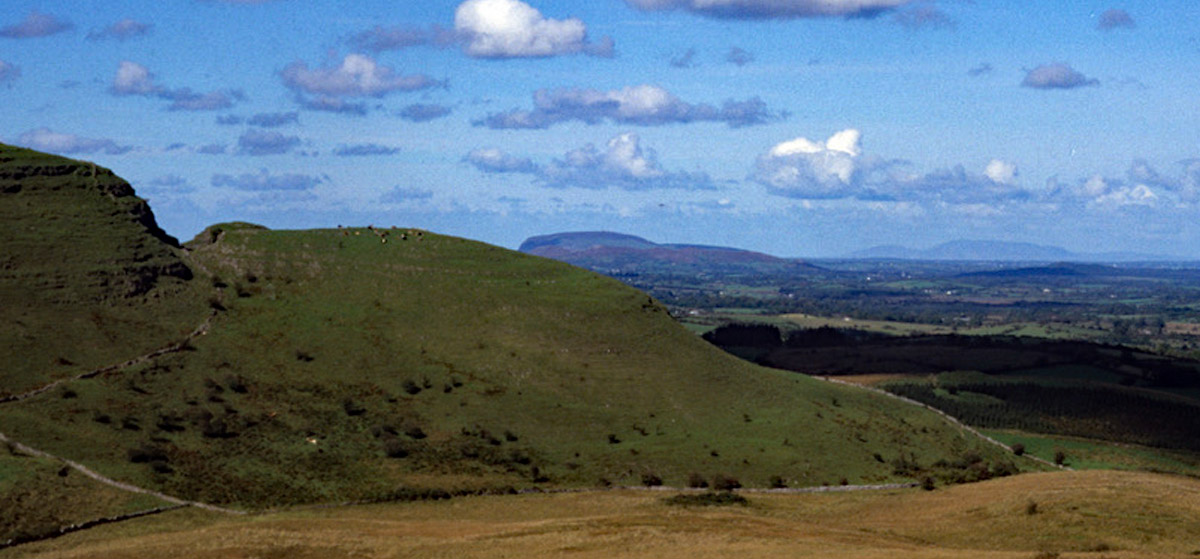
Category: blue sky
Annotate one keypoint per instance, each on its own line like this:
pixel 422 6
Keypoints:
pixel 795 127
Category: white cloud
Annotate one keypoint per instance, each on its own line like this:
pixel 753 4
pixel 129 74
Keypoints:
pixel 623 163
pixel 133 79
pixel 804 168
pixel 837 168
pixel 1138 195
pixel 44 139
pixel 494 160
pixel 513 29
pixel 645 105
pixel 1001 172
pixel 357 76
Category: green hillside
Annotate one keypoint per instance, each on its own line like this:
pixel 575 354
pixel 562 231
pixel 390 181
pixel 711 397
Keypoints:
pixel 86 276
pixel 348 364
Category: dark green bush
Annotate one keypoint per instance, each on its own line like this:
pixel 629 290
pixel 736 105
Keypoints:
pixel 725 482
pixel 709 499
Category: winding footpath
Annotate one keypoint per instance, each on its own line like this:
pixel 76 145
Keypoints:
pixel 176 501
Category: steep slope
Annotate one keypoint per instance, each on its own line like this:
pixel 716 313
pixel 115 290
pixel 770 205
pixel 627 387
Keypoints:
pixel 87 278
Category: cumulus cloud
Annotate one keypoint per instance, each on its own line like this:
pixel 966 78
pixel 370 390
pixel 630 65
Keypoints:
pixel 1001 172
pixel 1115 19
pixel 362 150
pixel 838 168
pixel 739 56
pixel 330 87
pixel 274 120
pixel 1141 185
pixel 43 139
pixel 1100 192
pixel 121 31
pixel 493 160
pixel 134 79
pixel 773 9
pixel 622 163
pixel 264 181
pixel 803 168
pixel 357 76
pixel 421 112
pixel 644 105
pixel 491 29
pixel 36 24
pixel 265 142
pixel 1058 75
pixel 514 29
pixel 9 72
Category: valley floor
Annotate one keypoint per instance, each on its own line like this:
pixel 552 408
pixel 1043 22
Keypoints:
pixel 1061 514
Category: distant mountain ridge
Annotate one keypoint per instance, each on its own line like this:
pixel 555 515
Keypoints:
pixel 609 251
pixel 999 251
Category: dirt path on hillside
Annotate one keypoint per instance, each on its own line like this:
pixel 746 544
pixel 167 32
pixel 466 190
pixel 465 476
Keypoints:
pixel 200 330
pixel 953 420
pixel 175 347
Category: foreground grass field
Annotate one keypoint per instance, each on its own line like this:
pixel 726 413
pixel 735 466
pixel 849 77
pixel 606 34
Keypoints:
pixel 1067 514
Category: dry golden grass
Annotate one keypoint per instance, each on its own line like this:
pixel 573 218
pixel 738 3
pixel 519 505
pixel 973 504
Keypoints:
pixel 1078 514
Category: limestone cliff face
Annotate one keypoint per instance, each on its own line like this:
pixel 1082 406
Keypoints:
pixel 74 231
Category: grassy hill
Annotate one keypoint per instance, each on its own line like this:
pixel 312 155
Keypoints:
pixel 348 364
pixel 86 276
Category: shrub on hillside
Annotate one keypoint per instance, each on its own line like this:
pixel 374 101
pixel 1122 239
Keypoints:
pixel 145 453
pixel 709 499
pixel 724 482
pixel 696 481
pixel 1018 449
pixel 394 448
pixel 650 479
pixel 411 388
pixel 1059 457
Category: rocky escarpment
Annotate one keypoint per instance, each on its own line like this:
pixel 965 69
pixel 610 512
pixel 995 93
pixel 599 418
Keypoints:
pixel 75 231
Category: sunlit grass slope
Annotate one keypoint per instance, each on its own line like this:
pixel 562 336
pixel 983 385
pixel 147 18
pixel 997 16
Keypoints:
pixel 1066 514
pixel 86 276
pixel 345 367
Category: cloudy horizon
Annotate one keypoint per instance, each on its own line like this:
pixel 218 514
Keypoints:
pixel 805 128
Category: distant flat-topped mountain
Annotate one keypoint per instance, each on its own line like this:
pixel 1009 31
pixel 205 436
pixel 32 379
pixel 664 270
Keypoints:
pixel 998 251
pixel 617 252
